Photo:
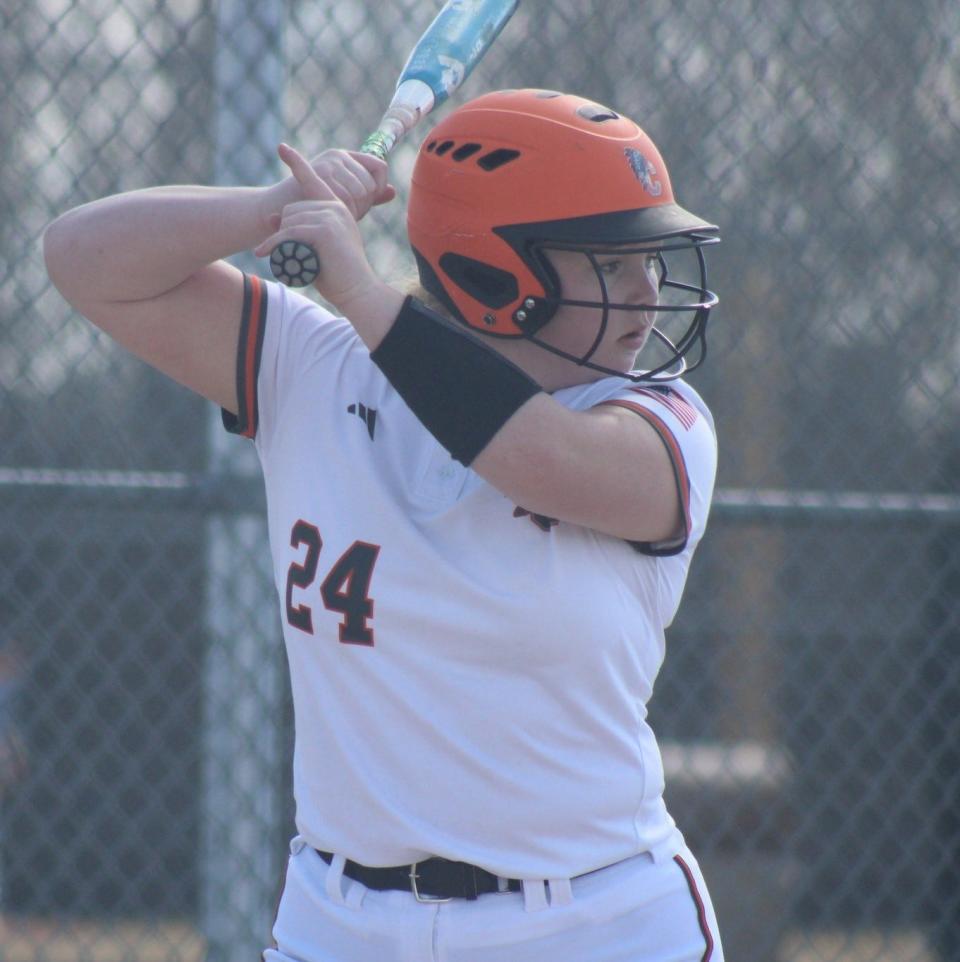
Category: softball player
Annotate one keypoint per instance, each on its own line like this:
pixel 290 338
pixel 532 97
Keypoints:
pixel 481 516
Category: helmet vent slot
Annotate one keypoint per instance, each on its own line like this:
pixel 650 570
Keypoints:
pixel 596 113
pixel 465 151
pixel 497 158
pixel 444 147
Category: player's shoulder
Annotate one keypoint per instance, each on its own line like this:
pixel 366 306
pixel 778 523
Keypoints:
pixel 677 399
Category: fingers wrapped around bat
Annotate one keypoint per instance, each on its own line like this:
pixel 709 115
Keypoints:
pixel 339 260
pixel 318 240
pixel 356 179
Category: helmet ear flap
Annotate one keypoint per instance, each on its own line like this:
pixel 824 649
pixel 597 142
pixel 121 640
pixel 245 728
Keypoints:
pixel 535 311
pixel 431 283
pixel 494 288
pixel 491 286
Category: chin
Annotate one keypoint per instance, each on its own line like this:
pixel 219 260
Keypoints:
pixel 625 361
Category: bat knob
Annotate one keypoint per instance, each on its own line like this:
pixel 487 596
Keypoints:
pixel 294 263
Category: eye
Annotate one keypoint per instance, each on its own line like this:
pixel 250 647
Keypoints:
pixel 610 267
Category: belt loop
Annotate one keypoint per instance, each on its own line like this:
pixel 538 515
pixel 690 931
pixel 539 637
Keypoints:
pixel 663 852
pixel 534 895
pixel 334 881
pixel 297 844
pixel 561 891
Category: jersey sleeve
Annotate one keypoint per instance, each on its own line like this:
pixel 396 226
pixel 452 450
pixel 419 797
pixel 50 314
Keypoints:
pixel 253 323
pixel 282 335
pixel 685 426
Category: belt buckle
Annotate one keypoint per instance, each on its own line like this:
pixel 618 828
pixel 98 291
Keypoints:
pixel 416 892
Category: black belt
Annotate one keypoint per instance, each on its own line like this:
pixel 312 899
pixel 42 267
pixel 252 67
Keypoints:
pixel 435 880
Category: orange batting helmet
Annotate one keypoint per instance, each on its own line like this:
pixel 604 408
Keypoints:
pixel 515 173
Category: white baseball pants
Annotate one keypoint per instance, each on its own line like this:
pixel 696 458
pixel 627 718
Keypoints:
pixel 639 910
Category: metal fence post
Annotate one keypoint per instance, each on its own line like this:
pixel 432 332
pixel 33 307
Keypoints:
pixel 243 689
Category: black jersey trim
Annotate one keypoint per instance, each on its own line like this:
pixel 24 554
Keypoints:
pixel 253 321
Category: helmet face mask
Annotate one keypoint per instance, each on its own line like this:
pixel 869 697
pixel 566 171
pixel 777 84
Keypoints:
pixel 677 340
pixel 513 176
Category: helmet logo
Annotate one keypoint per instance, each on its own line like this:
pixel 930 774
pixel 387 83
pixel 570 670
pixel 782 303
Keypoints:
pixel 643 170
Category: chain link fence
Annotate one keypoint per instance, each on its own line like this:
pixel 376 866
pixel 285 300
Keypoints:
pixel 809 709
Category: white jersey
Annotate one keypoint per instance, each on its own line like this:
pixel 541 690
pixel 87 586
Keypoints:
pixel 469 680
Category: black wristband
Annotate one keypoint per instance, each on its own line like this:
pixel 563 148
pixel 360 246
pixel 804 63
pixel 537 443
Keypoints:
pixel 462 391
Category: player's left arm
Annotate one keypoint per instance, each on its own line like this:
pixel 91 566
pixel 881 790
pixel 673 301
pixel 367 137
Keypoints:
pixel 607 468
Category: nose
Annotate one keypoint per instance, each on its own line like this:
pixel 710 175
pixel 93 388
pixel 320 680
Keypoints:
pixel 645 283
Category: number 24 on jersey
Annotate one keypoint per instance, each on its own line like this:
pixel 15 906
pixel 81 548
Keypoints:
pixel 345 588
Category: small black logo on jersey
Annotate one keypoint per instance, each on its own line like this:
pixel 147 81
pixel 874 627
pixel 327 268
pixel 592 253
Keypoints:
pixel 543 522
pixel 367 415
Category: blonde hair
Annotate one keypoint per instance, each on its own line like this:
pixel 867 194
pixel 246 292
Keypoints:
pixel 411 285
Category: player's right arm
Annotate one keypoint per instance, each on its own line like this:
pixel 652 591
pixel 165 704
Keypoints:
pixel 147 267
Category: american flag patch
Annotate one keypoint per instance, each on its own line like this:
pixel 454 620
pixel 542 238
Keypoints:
pixel 673 401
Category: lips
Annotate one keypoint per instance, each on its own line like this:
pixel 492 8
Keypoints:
pixel 633 338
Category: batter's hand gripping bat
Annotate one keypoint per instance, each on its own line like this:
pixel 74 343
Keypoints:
pixel 442 59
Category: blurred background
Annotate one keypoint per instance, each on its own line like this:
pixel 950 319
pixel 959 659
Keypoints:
pixel 809 709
